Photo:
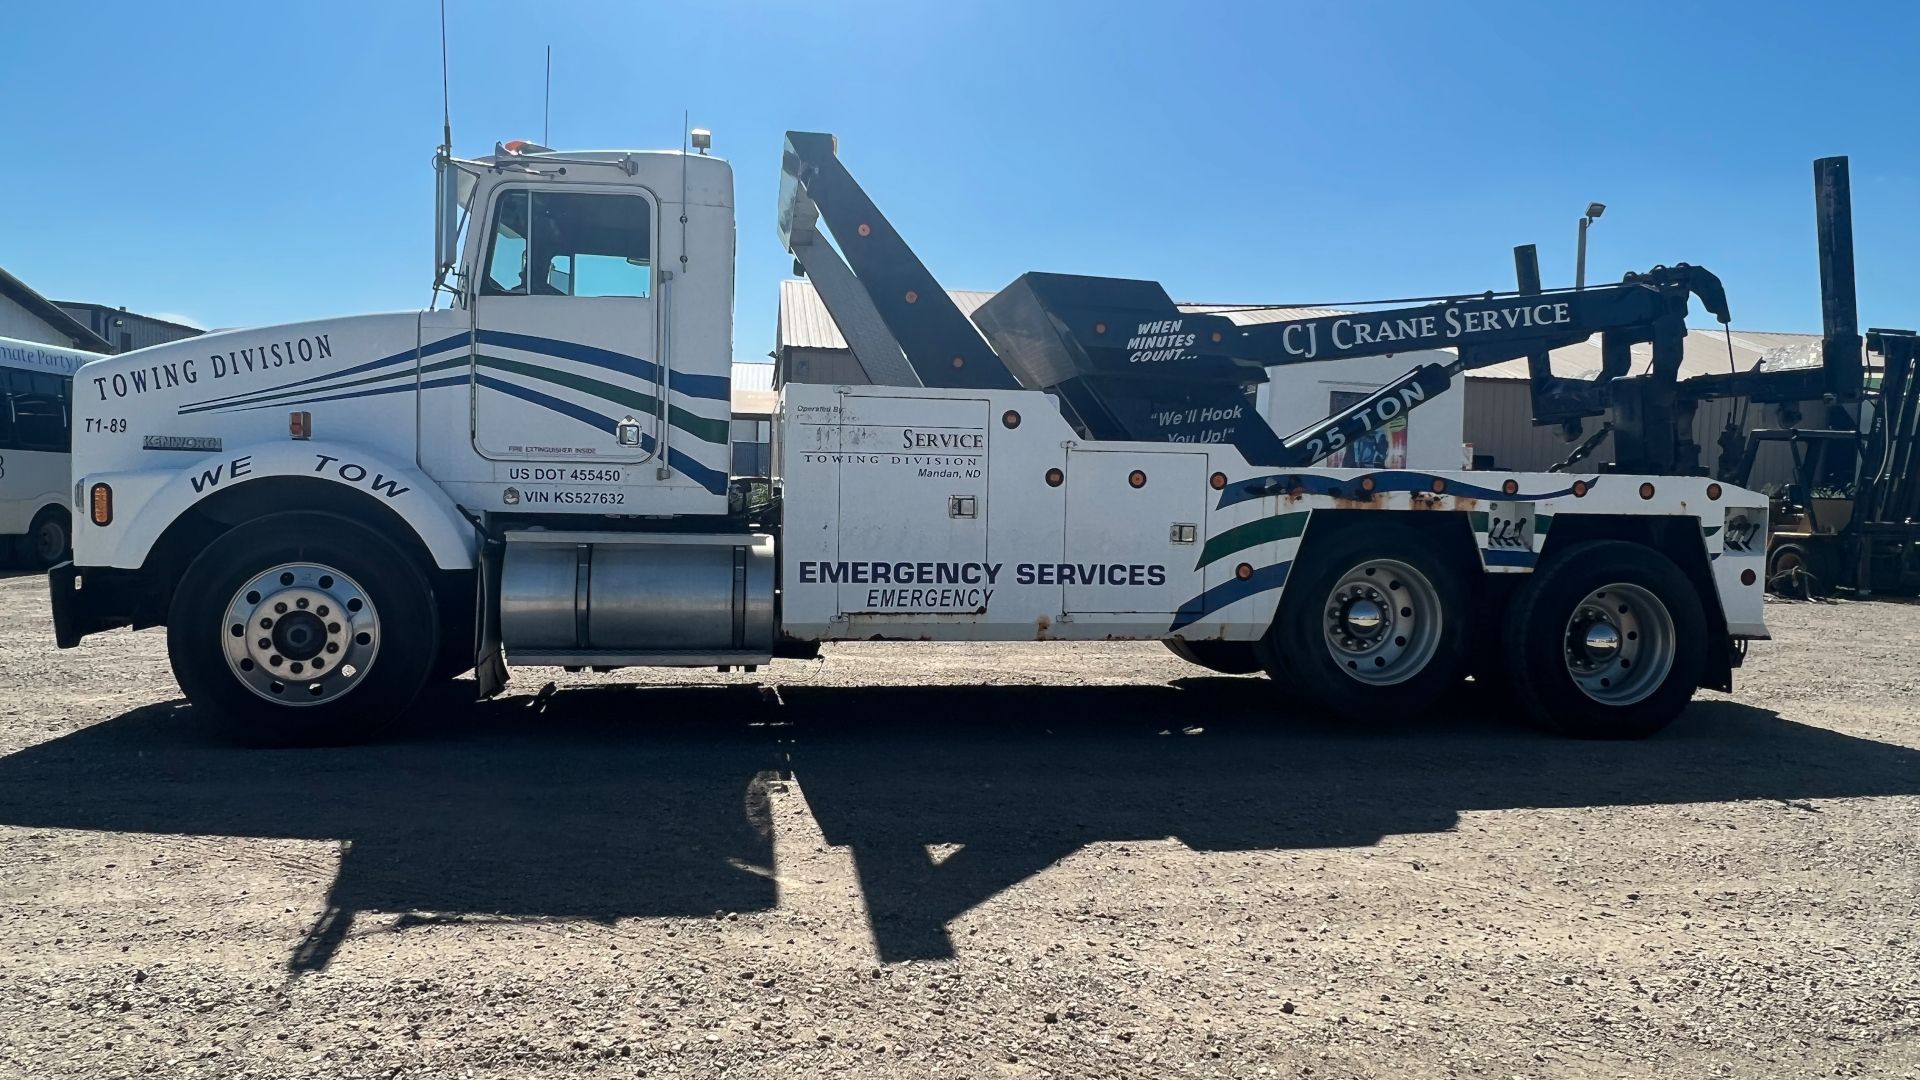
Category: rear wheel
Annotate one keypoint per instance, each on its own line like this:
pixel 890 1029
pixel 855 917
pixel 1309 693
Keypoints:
pixel 1606 642
pixel 49 539
pixel 1225 657
pixel 1369 624
pixel 302 629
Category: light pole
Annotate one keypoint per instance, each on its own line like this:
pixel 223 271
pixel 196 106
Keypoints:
pixel 1594 210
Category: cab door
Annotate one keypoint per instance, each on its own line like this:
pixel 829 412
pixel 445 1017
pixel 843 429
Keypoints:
pixel 565 358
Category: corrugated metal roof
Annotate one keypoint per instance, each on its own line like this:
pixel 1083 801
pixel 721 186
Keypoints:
pixel 805 324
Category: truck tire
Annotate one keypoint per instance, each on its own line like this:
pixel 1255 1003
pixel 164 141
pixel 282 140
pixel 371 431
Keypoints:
pixel 454 594
pixel 1371 624
pixel 455 657
pixel 1225 657
pixel 1607 641
pixel 49 540
pixel 301 629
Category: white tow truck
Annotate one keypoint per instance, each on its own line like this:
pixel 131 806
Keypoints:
pixel 328 515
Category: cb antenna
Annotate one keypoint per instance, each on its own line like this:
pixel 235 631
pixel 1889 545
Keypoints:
pixel 446 222
pixel 446 102
pixel 546 106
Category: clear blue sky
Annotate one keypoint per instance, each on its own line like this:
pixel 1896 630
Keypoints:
pixel 246 163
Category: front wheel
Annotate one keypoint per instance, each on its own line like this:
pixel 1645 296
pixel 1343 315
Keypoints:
pixel 300 629
pixel 1606 642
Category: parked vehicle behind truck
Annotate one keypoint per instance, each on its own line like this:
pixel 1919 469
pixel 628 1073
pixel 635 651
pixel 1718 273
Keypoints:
pixel 36 432
pixel 339 512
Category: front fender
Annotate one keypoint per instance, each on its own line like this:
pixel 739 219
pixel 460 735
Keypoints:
pixel 148 500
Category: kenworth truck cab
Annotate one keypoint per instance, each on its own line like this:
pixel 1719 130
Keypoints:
pixel 327 516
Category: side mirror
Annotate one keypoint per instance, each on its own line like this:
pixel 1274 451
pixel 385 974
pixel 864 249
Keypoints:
pixel 446 215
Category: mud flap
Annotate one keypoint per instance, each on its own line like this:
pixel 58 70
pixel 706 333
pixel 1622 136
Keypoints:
pixel 490 661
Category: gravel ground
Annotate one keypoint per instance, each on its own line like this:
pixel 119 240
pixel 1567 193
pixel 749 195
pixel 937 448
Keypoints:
pixel 968 861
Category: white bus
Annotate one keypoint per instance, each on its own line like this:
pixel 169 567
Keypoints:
pixel 36 439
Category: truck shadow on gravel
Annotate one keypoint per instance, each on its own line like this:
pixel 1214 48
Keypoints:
pixel 610 803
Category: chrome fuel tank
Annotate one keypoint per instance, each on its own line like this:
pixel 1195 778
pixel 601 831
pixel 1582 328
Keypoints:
pixel 613 599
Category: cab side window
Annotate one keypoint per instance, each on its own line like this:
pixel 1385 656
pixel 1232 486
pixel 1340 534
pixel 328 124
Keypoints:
pixel 570 243
pixel 6 411
pixel 507 254
pixel 36 411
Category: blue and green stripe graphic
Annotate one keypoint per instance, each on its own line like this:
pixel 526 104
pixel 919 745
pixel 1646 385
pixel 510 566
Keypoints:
pixel 444 363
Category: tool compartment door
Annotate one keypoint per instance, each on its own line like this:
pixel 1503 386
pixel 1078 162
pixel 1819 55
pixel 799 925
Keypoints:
pixel 913 506
pixel 1123 554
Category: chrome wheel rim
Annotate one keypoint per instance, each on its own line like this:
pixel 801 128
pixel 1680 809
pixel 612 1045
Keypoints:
pixel 300 634
pixel 1382 622
pixel 1619 644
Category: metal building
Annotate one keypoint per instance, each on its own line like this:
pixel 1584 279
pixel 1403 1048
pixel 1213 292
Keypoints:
pixel 127 330
pixel 25 315
pixel 750 437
